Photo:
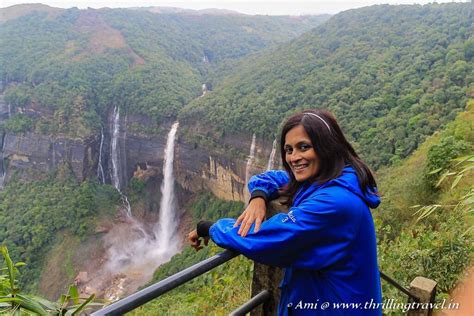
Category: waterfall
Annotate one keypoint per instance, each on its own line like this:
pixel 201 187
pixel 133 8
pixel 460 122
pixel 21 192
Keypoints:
pixel 115 154
pixel 271 160
pixel 116 161
pixel 2 166
pixel 204 89
pixel 250 162
pixel 135 249
pixel 53 149
pixel 3 170
pixel 100 168
pixel 167 226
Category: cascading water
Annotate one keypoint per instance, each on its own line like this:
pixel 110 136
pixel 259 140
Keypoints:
pixel 115 155
pixel 2 162
pixel 132 253
pixel 3 139
pixel 250 162
pixel 168 225
pixel 116 161
pixel 204 89
pixel 250 159
pixel 271 160
pixel 100 168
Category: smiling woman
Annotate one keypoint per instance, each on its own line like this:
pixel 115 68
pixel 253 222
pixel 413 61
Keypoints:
pixel 326 242
pixel 300 154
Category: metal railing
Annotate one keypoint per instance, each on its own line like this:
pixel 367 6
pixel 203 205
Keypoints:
pixel 428 294
pixel 145 295
pixel 153 291
pixel 398 286
pixel 248 306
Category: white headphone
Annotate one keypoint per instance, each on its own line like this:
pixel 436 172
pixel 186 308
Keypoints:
pixel 319 117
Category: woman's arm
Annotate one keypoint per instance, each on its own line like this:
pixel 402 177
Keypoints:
pixel 267 184
pixel 263 188
pixel 326 222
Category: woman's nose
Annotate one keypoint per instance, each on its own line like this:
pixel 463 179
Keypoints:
pixel 295 157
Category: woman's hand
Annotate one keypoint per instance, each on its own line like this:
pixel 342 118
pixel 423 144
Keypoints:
pixel 254 213
pixel 195 240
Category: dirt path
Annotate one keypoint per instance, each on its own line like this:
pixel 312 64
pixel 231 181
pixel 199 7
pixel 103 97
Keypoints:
pixel 464 295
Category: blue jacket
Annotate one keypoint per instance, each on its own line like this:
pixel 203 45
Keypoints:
pixel 326 243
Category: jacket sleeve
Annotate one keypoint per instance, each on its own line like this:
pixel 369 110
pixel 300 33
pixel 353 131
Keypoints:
pixel 323 222
pixel 267 184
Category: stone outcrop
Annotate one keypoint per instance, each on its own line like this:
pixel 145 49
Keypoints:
pixel 43 153
pixel 197 170
pixel 196 167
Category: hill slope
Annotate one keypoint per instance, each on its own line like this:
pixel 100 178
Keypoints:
pixel 391 74
pixel 438 246
pixel 73 67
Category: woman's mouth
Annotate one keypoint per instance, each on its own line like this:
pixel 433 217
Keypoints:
pixel 299 167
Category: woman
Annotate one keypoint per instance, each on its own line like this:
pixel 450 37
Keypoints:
pixel 326 242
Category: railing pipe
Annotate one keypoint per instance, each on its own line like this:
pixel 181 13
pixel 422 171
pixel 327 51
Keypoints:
pixel 248 306
pixel 398 286
pixel 153 291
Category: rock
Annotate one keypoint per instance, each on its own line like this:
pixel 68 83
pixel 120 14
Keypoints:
pixel 88 290
pixel 81 278
pixel 43 153
pixel 102 229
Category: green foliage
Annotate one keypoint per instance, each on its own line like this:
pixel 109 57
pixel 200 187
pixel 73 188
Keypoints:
pixel 137 185
pixel 18 123
pixel 441 154
pixel 32 212
pixel 469 49
pixel 436 241
pixel 74 66
pixel 227 286
pixel 463 167
pixel 441 254
pixel 217 292
pixel 391 74
pixel 17 97
pixel 13 301
pixel 208 207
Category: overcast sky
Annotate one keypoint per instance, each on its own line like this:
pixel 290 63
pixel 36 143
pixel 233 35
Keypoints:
pixel 275 7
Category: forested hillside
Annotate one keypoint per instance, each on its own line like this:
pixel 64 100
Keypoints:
pixel 398 79
pixel 75 65
pixel 32 213
pixel 436 244
pixel 391 74
pixel 63 72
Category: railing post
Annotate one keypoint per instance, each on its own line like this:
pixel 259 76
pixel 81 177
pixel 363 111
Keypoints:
pixel 266 277
pixel 425 290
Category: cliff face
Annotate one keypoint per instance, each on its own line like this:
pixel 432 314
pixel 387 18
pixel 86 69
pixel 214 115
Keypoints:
pixel 196 168
pixel 36 152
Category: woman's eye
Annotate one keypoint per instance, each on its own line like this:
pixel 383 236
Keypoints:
pixel 288 150
pixel 305 147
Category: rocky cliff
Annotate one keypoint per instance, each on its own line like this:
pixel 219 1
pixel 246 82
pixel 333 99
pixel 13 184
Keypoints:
pixel 197 168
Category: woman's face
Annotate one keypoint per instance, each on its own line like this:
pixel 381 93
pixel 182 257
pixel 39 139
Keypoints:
pixel 300 154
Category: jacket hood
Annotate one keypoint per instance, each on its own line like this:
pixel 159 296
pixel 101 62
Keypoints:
pixel 350 181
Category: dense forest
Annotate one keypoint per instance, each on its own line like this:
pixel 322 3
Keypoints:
pixel 74 65
pixel 33 213
pixel 400 80
pixel 391 74
pixel 434 242
pixel 62 71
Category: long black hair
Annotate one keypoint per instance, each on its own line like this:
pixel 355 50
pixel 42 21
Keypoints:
pixel 331 147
